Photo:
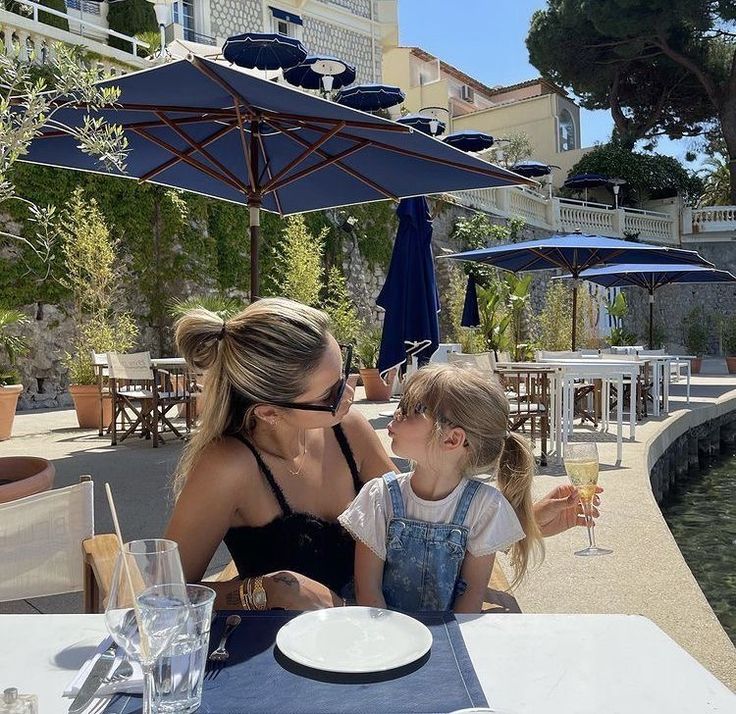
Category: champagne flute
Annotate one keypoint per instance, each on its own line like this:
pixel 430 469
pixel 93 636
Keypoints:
pixel 581 465
pixel 148 605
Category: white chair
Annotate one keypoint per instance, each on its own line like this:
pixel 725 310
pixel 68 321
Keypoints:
pixel 48 547
pixel 485 361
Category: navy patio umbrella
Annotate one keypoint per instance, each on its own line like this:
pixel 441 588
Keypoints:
pixel 576 253
pixel 370 97
pixel 586 181
pixel 259 50
pixel 469 140
pixel 653 276
pixel 313 71
pixel 471 314
pixel 423 123
pixel 532 169
pixel 204 127
pixel 409 295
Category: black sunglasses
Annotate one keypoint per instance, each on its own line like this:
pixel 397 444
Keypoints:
pixel 334 398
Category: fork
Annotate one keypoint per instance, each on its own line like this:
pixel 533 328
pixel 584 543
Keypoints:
pixel 218 657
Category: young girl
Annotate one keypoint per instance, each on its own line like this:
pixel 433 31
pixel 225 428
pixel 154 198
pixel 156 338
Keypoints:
pixel 426 540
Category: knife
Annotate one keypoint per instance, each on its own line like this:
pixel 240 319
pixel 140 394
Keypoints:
pixel 100 669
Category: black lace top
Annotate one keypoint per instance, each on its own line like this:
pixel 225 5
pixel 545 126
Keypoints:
pixel 301 542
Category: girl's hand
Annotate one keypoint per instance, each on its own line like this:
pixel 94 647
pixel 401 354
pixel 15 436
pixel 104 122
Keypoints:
pixel 561 509
pixel 294 591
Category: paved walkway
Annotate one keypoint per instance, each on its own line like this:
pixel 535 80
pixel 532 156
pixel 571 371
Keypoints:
pixel 645 575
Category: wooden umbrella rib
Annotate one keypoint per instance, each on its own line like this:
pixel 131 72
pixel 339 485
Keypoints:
pixel 351 172
pixel 146 125
pixel 311 169
pixel 303 156
pixel 176 159
pixel 187 159
pixel 392 127
pixel 267 168
pixel 202 150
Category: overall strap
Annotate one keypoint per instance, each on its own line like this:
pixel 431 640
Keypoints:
pixel 277 492
pixel 471 488
pixel 397 502
pixel 347 452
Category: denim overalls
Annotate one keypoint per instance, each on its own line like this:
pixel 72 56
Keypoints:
pixel 423 559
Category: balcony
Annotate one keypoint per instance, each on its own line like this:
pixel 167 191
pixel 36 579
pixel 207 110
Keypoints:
pixel 27 38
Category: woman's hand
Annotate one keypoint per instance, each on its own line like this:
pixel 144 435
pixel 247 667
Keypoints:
pixel 294 591
pixel 561 509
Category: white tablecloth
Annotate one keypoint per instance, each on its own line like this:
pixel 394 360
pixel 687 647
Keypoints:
pixel 527 664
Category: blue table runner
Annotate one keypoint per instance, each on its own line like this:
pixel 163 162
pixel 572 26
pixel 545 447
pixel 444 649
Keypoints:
pixel 258 678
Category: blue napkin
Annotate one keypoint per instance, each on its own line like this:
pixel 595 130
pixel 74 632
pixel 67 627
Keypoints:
pixel 257 678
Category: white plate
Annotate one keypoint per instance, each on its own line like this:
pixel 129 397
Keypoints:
pixel 354 640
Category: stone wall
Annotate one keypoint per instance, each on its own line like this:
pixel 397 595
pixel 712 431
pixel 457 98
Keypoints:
pixel 233 17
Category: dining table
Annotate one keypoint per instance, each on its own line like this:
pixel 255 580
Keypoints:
pixel 525 664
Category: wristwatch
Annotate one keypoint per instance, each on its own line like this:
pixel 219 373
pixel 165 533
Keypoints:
pixel 258 594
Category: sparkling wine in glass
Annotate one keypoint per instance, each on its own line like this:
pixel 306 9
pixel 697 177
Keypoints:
pixel 148 605
pixel 582 465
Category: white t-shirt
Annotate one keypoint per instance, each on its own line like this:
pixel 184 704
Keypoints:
pixel 491 520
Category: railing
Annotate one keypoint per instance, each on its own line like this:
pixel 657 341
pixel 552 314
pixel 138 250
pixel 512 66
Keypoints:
pixel 34 8
pixel 91 8
pixel 567 215
pixel 713 218
pixel 192 36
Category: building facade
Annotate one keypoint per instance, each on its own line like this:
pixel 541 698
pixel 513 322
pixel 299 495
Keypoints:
pixel 537 108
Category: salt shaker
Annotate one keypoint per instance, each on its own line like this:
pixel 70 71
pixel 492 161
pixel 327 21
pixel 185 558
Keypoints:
pixel 14 703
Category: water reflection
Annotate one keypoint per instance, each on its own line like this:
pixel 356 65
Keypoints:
pixel 701 513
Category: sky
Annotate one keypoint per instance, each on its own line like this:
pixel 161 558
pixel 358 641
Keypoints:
pixel 486 39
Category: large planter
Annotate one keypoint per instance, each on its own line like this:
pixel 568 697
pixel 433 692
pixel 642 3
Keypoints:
pixel 8 402
pixel 86 399
pixel 695 365
pixel 376 390
pixel 731 364
pixel 22 476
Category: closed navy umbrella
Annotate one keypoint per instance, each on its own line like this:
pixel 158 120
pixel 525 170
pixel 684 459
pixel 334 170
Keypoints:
pixel 313 71
pixel 370 97
pixel 576 253
pixel 409 295
pixel 200 126
pixel 259 50
pixel 471 314
pixel 469 140
pixel 653 276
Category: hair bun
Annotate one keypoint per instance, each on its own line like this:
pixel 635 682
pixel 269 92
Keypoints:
pixel 198 334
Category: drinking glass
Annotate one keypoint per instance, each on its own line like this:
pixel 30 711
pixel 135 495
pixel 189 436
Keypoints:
pixel 581 465
pixel 147 606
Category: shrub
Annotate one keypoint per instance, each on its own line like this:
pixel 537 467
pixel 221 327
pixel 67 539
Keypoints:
pixel 345 324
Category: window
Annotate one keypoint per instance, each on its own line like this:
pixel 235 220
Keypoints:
pixel 567 131
pixel 184 14
pixel 282 27
pixel 284 22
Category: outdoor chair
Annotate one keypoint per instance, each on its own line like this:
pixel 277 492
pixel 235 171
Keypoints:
pixel 143 397
pixel 49 547
pixel 484 361
pixel 584 390
pixel 99 362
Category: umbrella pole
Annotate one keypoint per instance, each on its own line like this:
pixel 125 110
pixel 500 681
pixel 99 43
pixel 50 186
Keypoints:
pixel 574 310
pixel 255 239
pixel 651 320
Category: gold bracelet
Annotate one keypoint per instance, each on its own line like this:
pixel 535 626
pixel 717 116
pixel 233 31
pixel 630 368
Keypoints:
pixel 245 598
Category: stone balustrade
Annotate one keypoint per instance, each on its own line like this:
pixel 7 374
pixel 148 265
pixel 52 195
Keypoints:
pixel 563 215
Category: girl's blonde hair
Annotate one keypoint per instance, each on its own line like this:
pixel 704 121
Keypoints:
pixel 263 354
pixel 460 396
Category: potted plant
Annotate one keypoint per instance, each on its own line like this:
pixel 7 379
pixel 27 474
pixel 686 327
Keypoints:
pixel 697 336
pixel 11 346
pixel 376 390
pixel 729 344
pixel 95 283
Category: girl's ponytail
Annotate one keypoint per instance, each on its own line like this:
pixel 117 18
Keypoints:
pixel 515 475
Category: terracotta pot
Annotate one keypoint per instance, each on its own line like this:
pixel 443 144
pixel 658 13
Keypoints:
pixel 376 390
pixel 695 365
pixel 86 399
pixel 8 402
pixel 731 364
pixel 22 476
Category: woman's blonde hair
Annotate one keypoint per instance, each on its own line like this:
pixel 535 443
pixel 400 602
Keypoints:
pixel 263 354
pixel 464 397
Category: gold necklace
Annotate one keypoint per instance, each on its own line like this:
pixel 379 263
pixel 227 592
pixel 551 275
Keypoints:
pixel 301 461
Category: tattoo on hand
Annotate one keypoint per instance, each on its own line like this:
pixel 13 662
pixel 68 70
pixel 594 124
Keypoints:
pixel 233 599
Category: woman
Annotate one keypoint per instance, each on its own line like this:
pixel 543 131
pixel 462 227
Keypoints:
pixel 278 456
